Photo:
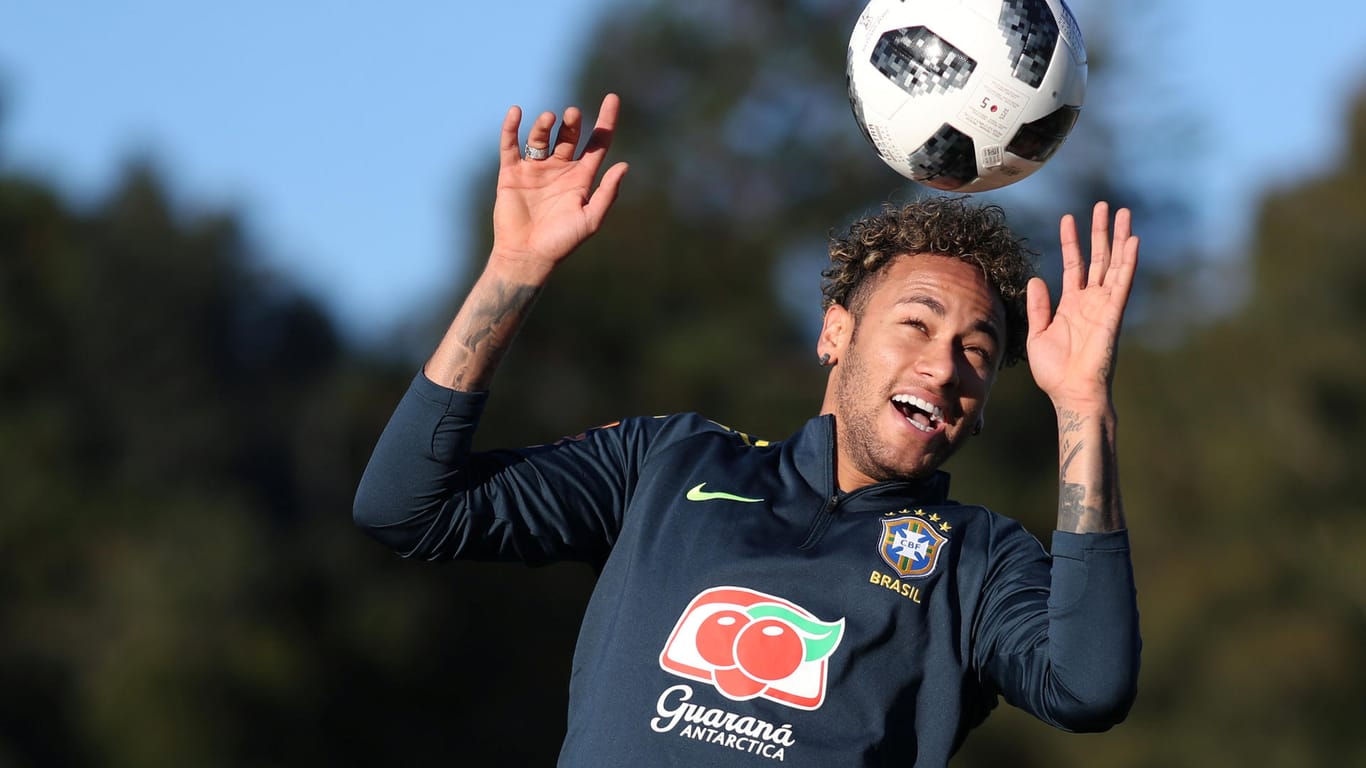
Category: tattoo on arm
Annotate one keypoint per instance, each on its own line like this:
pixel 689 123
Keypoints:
pixel 1088 479
pixel 488 332
pixel 1071 496
pixel 1070 507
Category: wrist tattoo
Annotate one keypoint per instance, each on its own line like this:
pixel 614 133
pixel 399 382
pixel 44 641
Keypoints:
pixel 490 328
pixel 1071 509
pixel 1074 513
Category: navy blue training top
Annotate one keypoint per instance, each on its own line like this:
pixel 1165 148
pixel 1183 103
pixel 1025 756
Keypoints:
pixel 746 612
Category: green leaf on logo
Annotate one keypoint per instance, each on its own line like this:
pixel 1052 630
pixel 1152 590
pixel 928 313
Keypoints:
pixel 818 637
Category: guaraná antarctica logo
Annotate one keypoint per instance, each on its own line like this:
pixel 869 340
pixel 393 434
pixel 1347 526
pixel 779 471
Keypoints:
pixel 749 644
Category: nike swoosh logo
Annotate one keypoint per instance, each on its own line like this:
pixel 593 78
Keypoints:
pixel 697 494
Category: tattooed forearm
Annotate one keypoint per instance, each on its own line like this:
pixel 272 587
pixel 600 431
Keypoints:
pixel 1071 510
pixel 1069 453
pixel 1088 484
pixel 481 333
pixel 485 335
pixel 1069 422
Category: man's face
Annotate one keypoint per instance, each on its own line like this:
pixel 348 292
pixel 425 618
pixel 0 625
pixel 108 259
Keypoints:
pixel 913 370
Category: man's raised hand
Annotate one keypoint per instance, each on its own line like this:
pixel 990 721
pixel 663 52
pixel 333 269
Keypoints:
pixel 545 208
pixel 1072 350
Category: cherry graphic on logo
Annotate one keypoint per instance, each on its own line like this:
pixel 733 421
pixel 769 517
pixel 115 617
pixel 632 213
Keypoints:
pixel 769 649
pixel 748 653
pixel 735 684
pixel 748 644
pixel 716 637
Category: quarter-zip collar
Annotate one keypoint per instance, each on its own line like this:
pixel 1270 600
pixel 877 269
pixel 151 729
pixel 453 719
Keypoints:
pixel 812 451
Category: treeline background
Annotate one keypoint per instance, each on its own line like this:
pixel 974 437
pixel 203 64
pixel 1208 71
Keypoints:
pixel 181 433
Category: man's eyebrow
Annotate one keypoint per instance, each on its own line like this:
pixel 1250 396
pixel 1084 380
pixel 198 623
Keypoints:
pixel 929 302
pixel 987 326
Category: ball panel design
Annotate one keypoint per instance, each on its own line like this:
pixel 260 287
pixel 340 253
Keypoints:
pixel 947 161
pixel 1071 33
pixel 1038 140
pixel 855 103
pixel 919 62
pixel 1031 33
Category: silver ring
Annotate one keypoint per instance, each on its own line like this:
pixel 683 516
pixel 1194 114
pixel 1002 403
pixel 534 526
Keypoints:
pixel 537 153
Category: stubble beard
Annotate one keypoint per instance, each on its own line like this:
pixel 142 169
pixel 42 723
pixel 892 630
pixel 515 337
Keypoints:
pixel 859 408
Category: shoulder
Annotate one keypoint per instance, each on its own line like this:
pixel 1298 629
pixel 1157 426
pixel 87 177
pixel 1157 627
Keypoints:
pixel 679 427
pixel 999 540
pixel 652 434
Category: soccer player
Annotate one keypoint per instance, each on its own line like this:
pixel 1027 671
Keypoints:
pixel 821 600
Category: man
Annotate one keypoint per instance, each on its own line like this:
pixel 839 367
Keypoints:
pixel 819 601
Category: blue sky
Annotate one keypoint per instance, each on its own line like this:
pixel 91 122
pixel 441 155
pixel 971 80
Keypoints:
pixel 348 133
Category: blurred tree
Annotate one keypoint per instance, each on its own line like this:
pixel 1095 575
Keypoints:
pixel 1239 451
pixel 180 436
pixel 1274 525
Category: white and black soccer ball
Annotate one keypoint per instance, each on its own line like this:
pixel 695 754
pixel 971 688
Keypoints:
pixel 966 95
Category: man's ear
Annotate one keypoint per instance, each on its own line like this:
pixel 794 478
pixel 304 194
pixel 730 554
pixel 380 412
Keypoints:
pixel 836 330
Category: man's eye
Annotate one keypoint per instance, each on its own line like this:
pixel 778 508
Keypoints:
pixel 981 353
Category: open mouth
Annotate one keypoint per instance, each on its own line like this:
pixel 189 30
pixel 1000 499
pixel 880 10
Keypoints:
pixel 919 413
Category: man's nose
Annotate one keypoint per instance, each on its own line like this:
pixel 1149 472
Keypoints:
pixel 939 363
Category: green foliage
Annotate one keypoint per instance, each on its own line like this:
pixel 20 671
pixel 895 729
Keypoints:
pixel 177 429
pixel 182 584
pixel 1240 449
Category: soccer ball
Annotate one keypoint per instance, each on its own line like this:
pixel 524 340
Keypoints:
pixel 966 95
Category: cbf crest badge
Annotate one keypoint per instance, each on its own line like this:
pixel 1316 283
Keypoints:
pixel 911 545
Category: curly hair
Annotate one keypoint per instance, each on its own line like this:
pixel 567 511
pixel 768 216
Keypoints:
pixel 943 226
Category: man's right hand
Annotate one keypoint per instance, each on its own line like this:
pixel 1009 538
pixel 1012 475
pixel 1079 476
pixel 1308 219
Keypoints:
pixel 546 208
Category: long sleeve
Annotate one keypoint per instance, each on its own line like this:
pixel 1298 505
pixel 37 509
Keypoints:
pixel 425 495
pixel 1059 637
